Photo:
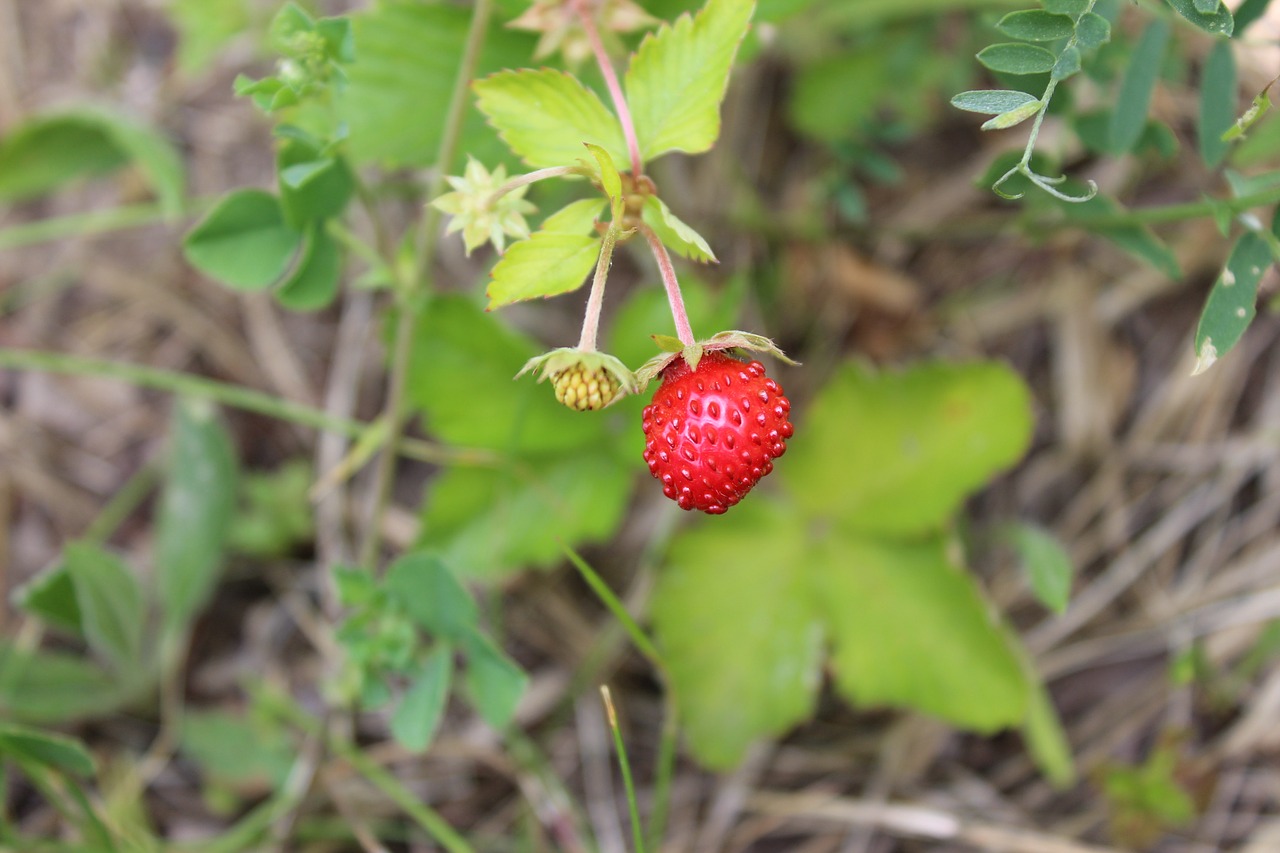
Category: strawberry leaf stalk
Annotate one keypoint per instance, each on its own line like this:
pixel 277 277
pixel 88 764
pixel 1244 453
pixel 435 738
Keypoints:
pixel 716 423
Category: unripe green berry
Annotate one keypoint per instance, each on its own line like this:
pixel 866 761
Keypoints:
pixel 583 389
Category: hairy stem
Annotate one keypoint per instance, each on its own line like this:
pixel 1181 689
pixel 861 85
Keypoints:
pixel 533 177
pixel 411 292
pixel 591 320
pixel 683 330
pixel 614 87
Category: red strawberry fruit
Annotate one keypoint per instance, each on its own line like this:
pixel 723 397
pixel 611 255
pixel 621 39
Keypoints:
pixel 713 431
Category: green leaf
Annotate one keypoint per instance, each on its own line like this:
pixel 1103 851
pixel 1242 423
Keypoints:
pixel 576 217
pixel 1217 103
pixel 409 53
pixel 835 97
pixel 312 187
pixel 1246 13
pixel 993 101
pixel 51 150
pixel 237 749
pixel 494 682
pixel 418 715
pixel 51 687
pixel 610 181
pixel 545 116
pixel 110 601
pixel 1232 302
pixel 205 27
pixel 490 522
pixel 1044 561
pixel 1130 114
pixel 1073 9
pixel 1092 31
pixel 679 75
pixel 1036 25
pixel 55 751
pixel 195 510
pixel 51 597
pixel 1068 63
pixel 1206 7
pixel 896 452
pixel 432 596
pixel 1218 22
pixel 313 283
pixel 546 264
pixel 1016 58
pixel 243 241
pixel 674 233
pixel 1013 117
pixel 274 515
pixel 460 376
pixel 953 662
pixel 737 624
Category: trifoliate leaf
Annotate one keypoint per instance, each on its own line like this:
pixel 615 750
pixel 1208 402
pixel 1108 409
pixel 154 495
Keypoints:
pixel 545 116
pixel 547 264
pixel 679 76
pixel 896 452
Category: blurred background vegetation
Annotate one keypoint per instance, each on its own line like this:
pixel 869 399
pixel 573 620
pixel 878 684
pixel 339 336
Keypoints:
pixel 184 626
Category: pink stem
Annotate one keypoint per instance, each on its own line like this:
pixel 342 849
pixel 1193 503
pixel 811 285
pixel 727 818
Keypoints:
pixel 615 88
pixel 683 330
pixel 591 321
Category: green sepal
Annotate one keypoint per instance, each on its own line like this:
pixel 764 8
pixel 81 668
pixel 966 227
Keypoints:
pixel 564 358
pixel 693 353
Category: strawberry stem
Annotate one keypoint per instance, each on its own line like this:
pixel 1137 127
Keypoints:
pixel 611 82
pixel 678 313
pixel 532 177
pixel 591 320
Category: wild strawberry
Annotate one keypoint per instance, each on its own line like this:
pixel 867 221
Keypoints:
pixel 582 388
pixel 713 431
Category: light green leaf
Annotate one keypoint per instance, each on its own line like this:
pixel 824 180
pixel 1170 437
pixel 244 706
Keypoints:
pixel 1217 103
pixel 1036 25
pixel 1232 303
pixel 51 597
pixel 896 452
pixel 49 151
pixel 735 618
pixel 1044 561
pixel 236 748
pixel 1017 58
pixel 679 75
pixel 674 233
pixel 1130 114
pixel 494 681
pixel 547 264
pixel 432 596
pixel 836 97
pixel 1013 117
pixel 576 217
pixel 1219 22
pixel 205 27
pixel 610 181
pixel 243 241
pixel 195 510
pixel 418 715
pixel 313 283
pixel 408 56
pixel 545 116
pixel 460 376
pixel 910 629
pixel 55 751
pixel 1068 63
pixel 110 601
pixel 993 101
pixel 490 522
